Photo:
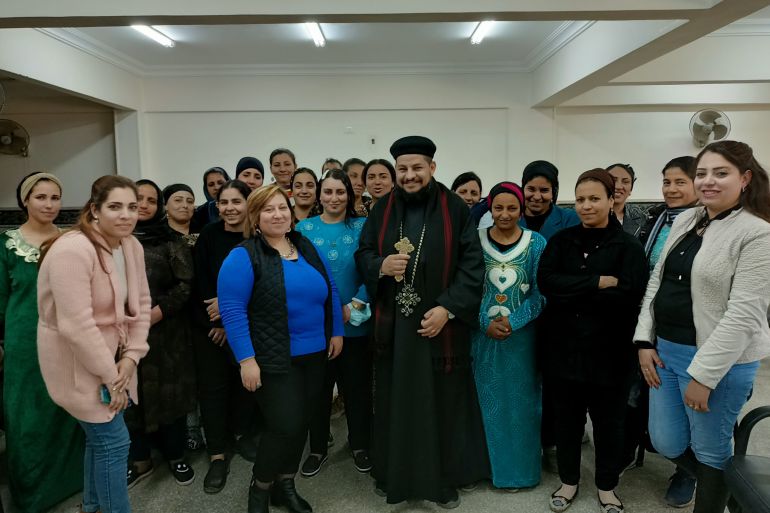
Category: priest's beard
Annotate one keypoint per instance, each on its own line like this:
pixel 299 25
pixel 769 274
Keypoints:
pixel 415 198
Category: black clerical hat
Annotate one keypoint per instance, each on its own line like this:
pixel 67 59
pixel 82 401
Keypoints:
pixel 413 145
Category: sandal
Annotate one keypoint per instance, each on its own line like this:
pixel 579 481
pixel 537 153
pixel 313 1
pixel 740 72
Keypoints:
pixel 609 507
pixel 560 503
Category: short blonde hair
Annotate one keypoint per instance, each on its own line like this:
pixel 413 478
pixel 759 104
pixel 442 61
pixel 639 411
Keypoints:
pixel 255 204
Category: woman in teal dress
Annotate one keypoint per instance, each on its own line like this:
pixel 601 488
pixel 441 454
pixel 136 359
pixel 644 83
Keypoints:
pixel 503 349
pixel 44 444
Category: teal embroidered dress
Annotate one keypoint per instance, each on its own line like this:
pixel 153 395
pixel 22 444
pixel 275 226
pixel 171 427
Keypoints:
pixel 44 444
pixel 506 377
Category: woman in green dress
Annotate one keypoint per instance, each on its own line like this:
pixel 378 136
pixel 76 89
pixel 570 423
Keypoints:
pixel 44 444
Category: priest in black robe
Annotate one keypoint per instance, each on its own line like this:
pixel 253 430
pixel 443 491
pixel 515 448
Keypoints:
pixel 422 263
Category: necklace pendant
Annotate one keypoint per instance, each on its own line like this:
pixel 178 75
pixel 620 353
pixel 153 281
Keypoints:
pixel 408 299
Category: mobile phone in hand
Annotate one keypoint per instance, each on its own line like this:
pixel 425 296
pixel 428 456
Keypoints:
pixel 104 394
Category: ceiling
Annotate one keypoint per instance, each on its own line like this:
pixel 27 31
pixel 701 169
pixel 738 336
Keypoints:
pixel 513 45
pixel 285 47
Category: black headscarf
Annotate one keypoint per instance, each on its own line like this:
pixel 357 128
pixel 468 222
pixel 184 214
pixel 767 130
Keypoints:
pixel 210 170
pixel 176 187
pixel 546 170
pixel 154 227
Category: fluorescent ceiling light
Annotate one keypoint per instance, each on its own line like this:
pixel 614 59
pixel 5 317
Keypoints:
pixel 155 34
pixel 314 31
pixel 481 31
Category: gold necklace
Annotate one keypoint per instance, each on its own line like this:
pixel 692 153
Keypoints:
pixel 291 252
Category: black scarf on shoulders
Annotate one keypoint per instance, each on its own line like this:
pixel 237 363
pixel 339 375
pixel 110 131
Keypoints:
pixel 440 245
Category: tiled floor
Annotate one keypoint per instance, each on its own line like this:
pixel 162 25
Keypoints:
pixel 339 488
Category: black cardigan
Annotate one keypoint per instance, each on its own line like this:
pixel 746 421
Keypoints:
pixel 588 332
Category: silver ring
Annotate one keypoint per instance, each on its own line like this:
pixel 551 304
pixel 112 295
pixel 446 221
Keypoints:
pixel 259 385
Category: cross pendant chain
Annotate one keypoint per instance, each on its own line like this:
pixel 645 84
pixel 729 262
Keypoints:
pixel 408 299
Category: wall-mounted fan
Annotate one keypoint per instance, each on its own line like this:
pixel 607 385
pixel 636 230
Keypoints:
pixel 707 126
pixel 14 138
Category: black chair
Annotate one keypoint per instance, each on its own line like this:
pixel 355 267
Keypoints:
pixel 748 477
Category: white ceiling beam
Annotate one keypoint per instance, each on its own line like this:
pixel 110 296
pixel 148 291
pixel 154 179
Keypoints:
pixel 75 13
pixel 716 58
pixel 67 69
pixel 697 95
pixel 608 50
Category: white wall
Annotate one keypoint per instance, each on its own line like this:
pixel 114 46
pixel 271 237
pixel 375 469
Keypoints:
pixel 481 123
pixel 72 141
pixel 180 146
pixel 644 138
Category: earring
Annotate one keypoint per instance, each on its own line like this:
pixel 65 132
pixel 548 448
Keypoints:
pixel 96 220
pixel 743 189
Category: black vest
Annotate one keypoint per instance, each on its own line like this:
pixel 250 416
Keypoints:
pixel 267 311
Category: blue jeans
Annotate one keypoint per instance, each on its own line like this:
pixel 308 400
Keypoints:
pixel 105 487
pixel 674 427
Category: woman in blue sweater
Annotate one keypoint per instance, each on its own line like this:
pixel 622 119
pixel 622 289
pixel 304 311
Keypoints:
pixel 336 233
pixel 283 319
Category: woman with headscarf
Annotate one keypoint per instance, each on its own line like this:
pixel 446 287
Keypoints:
pixel 43 443
pixel 250 171
pixel 503 349
pixel 166 375
pixel 179 200
pixel 213 179
pixel 593 276
pixel 540 182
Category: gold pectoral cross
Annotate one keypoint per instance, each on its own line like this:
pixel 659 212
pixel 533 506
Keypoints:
pixel 404 247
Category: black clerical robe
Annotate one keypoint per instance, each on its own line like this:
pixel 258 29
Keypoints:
pixel 428 435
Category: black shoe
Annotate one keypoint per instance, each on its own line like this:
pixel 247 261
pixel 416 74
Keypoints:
pixel 609 507
pixel 285 494
pixel 681 491
pixel 216 477
pixel 450 499
pixel 182 472
pixel 247 448
pixel 259 500
pixel 361 461
pixel 312 465
pixel 133 476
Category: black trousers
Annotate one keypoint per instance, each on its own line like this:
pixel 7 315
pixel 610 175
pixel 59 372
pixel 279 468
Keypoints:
pixel 170 439
pixel 352 371
pixel 548 418
pixel 286 401
pixel 227 408
pixel 607 406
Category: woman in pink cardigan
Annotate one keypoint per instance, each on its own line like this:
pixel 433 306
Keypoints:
pixel 94 316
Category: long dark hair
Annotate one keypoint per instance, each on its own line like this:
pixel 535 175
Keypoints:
pixel 755 198
pixel 100 191
pixel 339 174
